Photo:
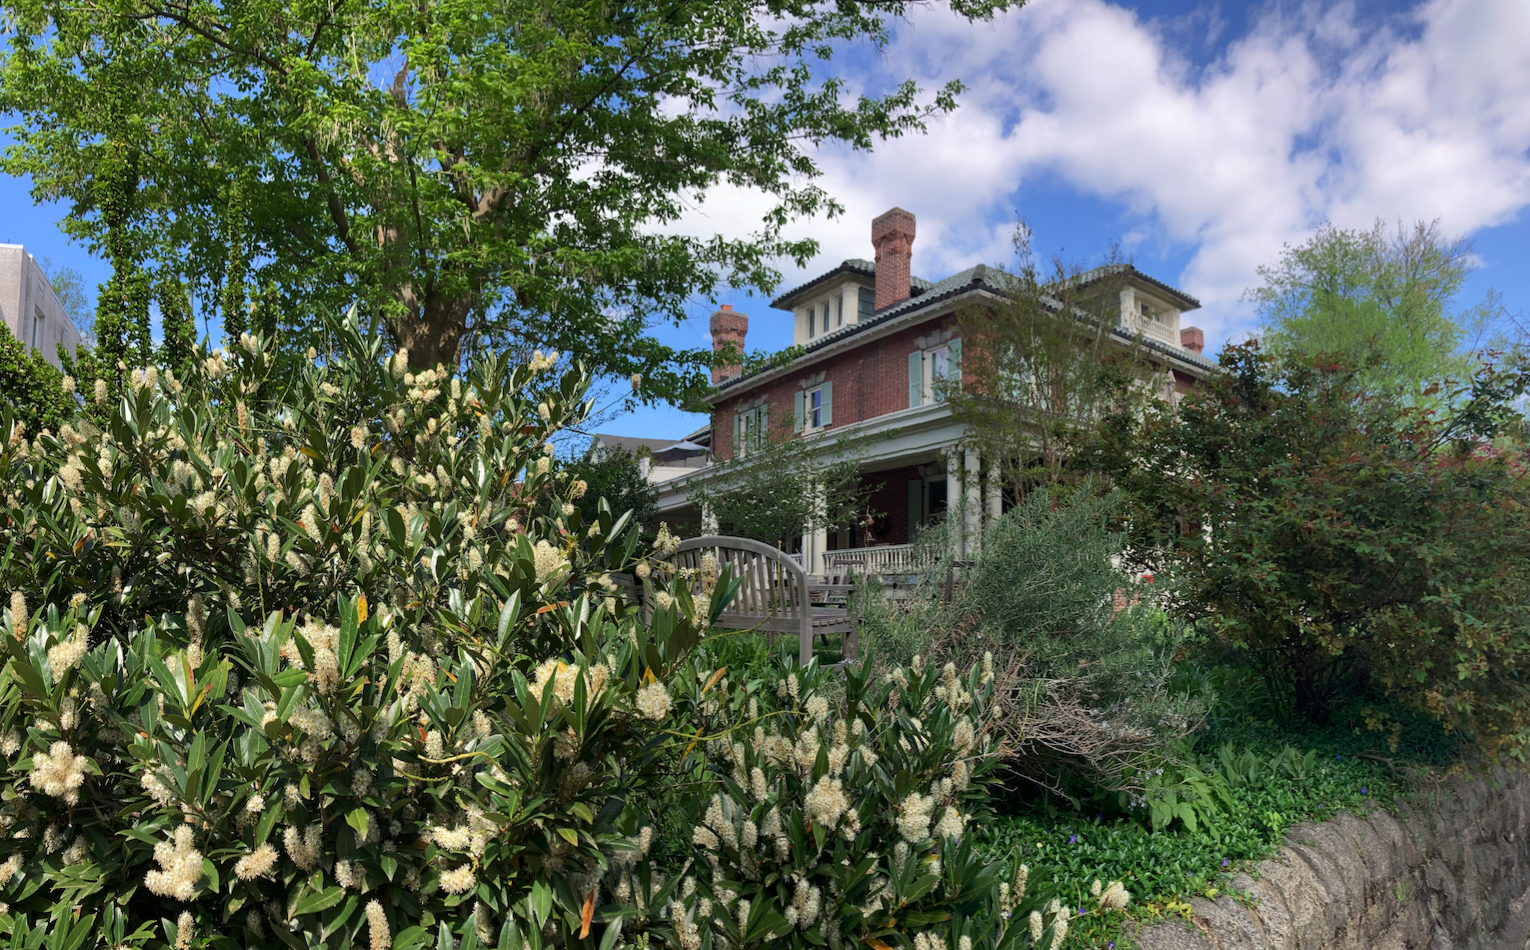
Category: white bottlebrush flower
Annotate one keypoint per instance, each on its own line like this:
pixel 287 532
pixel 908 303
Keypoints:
pixel 549 562
pixel 76 852
pixel 1034 921
pixel 817 707
pixel 914 818
pixel 459 880
pixel 653 701
pixel 826 802
pixel 180 866
pixel 257 863
pixel 185 930
pixel 377 926
pixel 18 613
pixel 156 788
pixel 950 825
pixel 304 847
pixel 9 868
pixel 59 772
pixel 347 875
pixel 1116 897
pixel 758 787
pixel 963 737
pixel 64 655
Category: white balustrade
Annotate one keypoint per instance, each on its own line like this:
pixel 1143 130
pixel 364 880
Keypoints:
pixel 885 559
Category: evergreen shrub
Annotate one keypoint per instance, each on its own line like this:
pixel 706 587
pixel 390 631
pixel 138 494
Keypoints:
pixel 323 653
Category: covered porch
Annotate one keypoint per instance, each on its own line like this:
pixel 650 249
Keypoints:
pixel 920 474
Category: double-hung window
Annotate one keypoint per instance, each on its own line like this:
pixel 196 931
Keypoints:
pixel 815 408
pixel 928 367
pixel 750 429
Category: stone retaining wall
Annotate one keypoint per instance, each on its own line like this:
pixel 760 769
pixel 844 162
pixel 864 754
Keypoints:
pixel 1451 870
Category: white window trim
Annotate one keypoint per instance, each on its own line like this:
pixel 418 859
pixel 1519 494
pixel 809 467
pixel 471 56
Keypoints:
pixel 929 370
pixel 808 425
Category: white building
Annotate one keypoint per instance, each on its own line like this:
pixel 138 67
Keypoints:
pixel 29 307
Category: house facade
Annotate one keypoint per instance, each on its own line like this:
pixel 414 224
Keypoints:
pixel 29 308
pixel 875 338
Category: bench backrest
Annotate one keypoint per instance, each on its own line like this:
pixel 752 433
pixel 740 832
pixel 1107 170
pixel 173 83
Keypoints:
pixel 774 594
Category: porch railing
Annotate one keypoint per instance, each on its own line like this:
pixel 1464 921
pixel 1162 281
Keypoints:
pixel 886 559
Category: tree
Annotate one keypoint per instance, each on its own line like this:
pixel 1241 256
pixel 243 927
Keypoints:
pixel 1040 365
pixel 476 173
pixel 31 387
pixel 613 474
pixel 1343 541
pixel 783 487
pixel 69 287
pixel 1384 298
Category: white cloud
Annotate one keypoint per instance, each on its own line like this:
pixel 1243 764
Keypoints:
pixel 1314 114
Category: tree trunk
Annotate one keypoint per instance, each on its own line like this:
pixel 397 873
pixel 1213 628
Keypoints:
pixel 432 329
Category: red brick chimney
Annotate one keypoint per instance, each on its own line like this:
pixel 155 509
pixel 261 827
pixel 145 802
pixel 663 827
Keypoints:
pixel 1192 339
pixel 892 235
pixel 727 327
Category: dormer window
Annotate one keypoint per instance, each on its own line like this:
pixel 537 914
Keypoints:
pixel 812 315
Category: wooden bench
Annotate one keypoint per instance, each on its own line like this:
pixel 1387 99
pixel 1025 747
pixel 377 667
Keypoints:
pixel 775 595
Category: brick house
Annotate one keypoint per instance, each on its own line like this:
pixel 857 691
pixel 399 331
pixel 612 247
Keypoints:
pixel 874 339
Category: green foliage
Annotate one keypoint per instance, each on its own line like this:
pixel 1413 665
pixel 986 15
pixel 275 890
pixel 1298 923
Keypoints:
pixel 177 328
pixel 69 287
pixel 31 388
pixel 498 172
pixel 613 476
pixel 1041 364
pixel 1339 537
pixel 846 817
pixel 322 654
pixel 1264 785
pixel 451 756
pixel 1086 683
pixel 783 487
pixel 1380 298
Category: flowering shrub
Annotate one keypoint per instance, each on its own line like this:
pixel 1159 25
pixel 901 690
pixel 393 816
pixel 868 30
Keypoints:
pixel 325 655
pixel 431 726
pixel 844 819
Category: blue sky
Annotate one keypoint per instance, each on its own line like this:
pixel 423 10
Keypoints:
pixel 1201 135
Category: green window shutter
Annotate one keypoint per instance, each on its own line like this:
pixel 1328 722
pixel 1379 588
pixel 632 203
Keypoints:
pixel 798 417
pixel 827 411
pixel 915 506
pixel 736 426
pixel 916 379
pixel 764 430
pixel 955 369
pixel 865 303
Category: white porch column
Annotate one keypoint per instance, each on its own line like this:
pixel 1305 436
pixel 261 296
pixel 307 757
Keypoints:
pixel 993 499
pixel 972 487
pixel 708 521
pixel 954 498
pixel 816 563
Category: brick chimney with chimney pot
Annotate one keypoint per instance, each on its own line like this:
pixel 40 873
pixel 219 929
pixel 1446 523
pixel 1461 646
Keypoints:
pixel 1192 339
pixel 892 234
pixel 727 327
